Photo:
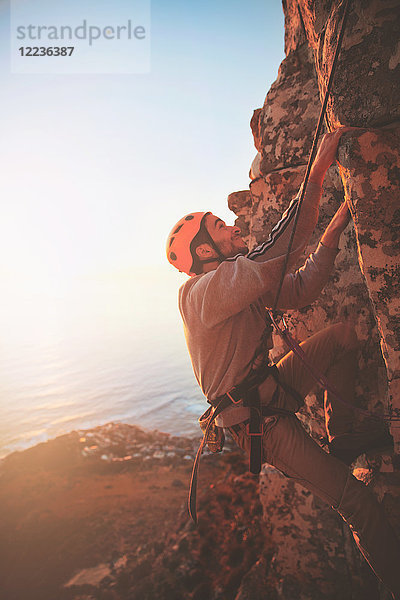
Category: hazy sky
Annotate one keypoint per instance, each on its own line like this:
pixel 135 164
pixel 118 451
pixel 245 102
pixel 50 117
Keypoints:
pixel 95 169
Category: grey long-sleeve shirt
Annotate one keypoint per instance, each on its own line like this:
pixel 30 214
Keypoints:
pixel 224 310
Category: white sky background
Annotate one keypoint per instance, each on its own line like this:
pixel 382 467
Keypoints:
pixel 94 172
pixel 96 169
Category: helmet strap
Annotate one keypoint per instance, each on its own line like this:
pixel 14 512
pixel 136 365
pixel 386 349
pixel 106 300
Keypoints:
pixel 210 260
pixel 220 257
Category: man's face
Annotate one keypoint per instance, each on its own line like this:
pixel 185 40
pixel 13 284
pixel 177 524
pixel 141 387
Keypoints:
pixel 227 238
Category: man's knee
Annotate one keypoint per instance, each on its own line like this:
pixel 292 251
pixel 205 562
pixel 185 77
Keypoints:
pixel 345 335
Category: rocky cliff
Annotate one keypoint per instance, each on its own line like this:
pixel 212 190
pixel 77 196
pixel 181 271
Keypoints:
pixel 313 553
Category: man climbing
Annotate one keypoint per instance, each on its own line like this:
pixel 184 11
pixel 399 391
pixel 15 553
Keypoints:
pixel 228 335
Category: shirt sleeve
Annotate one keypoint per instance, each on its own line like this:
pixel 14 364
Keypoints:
pixel 278 241
pixel 304 286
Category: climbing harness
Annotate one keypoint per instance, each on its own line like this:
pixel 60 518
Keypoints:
pixel 245 394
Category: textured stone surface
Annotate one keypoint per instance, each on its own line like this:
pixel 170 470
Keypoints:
pixel 369 62
pixel 254 584
pixel 370 168
pixel 295 35
pixel 283 128
pixel 369 66
pixel 314 553
pixel 255 167
pixel 241 204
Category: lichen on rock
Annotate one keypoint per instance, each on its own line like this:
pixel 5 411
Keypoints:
pixel 313 547
pixel 370 168
pixel 282 129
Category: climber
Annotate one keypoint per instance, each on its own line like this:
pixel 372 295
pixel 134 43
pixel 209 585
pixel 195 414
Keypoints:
pixel 228 335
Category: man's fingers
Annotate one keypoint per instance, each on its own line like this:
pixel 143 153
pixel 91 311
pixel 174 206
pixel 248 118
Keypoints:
pixel 327 148
pixel 333 137
pixel 344 208
pixel 340 130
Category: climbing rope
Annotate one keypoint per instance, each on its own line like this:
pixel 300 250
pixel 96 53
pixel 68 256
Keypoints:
pixel 313 150
pixel 284 333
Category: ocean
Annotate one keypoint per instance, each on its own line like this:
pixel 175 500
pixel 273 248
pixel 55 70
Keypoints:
pixel 105 348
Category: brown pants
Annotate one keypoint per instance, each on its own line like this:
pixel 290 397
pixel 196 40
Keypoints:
pixel 289 448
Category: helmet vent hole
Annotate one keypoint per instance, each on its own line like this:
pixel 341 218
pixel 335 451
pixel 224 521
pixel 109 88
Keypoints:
pixel 170 241
pixel 189 218
pixel 178 229
pixel 172 255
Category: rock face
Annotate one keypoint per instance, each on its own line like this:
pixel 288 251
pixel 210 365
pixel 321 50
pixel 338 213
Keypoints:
pixel 370 169
pixel 283 128
pixel 369 62
pixel 364 288
pixel 326 563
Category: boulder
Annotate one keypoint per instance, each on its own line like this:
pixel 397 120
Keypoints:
pixel 369 164
pixel 366 85
pixel 295 34
pixel 314 554
pixel 283 128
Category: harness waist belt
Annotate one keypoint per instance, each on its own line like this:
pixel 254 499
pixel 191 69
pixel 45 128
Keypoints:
pixel 254 378
pixel 234 396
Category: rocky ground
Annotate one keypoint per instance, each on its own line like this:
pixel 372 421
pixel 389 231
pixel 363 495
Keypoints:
pixel 101 514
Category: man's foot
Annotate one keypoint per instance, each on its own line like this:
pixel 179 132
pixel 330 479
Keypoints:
pixel 349 446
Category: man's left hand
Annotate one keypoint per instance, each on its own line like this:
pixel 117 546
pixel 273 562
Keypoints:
pixel 326 154
pixel 338 224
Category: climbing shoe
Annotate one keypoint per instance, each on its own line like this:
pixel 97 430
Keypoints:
pixel 349 446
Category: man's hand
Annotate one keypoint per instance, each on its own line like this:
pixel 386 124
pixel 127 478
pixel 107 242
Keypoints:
pixel 326 154
pixel 338 224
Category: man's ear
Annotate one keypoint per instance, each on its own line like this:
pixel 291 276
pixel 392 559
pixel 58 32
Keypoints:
pixel 205 251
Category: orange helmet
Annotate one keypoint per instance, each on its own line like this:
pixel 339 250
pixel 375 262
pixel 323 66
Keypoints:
pixel 180 238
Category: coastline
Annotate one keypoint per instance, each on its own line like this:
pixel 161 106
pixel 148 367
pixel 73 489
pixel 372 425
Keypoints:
pixel 90 513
